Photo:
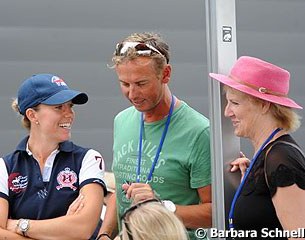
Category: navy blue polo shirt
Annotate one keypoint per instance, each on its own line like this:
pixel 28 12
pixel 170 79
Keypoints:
pixel 39 195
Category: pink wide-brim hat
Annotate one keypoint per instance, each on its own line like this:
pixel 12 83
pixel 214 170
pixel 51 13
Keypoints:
pixel 260 79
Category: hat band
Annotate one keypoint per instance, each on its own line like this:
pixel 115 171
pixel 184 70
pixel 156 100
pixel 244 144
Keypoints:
pixel 259 89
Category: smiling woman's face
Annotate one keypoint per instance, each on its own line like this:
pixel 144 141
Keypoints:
pixel 54 122
pixel 244 113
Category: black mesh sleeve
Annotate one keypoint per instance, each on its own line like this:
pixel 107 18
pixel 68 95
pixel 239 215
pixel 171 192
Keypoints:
pixel 285 166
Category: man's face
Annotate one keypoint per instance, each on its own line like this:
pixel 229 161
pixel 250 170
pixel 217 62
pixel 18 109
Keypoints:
pixel 140 83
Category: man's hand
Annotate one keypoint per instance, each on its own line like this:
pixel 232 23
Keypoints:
pixel 138 191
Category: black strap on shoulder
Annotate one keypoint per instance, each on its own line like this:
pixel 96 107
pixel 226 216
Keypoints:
pixel 284 142
pixel 293 145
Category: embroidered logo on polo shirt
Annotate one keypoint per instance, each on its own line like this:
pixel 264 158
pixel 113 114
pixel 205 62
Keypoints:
pixel 66 178
pixel 17 183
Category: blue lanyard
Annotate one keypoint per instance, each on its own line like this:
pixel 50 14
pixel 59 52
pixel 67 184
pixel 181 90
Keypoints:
pixel 149 177
pixel 238 191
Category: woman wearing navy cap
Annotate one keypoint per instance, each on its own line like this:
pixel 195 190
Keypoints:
pixel 50 188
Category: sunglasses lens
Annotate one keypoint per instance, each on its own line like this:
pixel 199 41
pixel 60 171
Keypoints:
pixel 118 49
pixel 141 47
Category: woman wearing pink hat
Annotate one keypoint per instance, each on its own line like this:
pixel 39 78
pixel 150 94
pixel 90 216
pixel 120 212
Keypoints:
pixel 271 195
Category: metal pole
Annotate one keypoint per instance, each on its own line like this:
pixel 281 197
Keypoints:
pixel 221 46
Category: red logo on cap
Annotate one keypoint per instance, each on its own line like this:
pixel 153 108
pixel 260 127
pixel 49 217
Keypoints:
pixel 58 81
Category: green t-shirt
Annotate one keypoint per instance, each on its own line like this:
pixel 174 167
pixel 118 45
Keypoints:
pixel 184 162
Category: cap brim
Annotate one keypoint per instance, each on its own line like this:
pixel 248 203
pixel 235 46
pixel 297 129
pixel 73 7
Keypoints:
pixel 245 89
pixel 65 96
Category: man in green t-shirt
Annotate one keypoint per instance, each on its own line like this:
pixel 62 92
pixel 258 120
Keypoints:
pixel 161 145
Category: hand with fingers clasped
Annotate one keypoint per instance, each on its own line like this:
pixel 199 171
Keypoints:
pixel 138 191
pixel 242 163
pixel 76 206
pixel 11 225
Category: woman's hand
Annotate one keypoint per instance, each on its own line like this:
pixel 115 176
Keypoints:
pixel 76 206
pixel 241 163
pixel 12 225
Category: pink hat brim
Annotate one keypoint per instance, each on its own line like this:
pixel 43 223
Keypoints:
pixel 245 89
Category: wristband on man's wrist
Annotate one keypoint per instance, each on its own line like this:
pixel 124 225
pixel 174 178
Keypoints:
pixel 103 234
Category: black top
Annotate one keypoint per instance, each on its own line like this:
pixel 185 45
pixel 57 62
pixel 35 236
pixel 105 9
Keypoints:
pixel 285 166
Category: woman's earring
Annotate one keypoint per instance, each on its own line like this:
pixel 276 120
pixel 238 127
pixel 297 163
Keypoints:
pixel 37 123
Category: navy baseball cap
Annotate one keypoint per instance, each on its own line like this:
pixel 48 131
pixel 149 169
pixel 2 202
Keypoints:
pixel 46 89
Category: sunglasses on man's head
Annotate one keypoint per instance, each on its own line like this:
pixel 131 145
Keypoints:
pixel 142 49
pixel 131 209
